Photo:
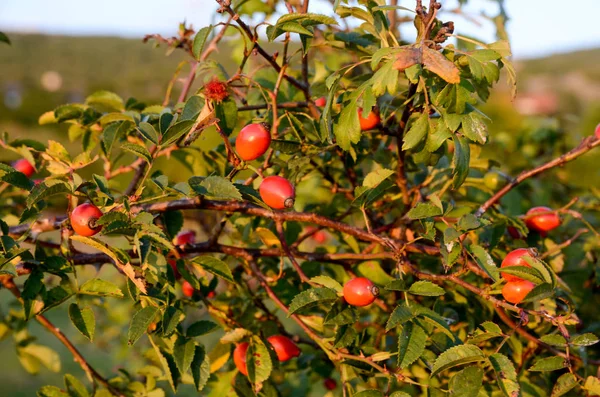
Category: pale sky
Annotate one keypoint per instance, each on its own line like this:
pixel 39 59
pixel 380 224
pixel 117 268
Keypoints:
pixel 537 27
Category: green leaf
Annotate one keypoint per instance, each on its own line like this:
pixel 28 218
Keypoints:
pixel 327 282
pixel 17 179
pixel 47 188
pixel 418 130
pixel 424 210
pixel 401 314
pixel 347 128
pixel 200 368
pixel 193 107
pixel 374 178
pixel 587 339
pixel 67 112
pixel 169 367
pixel 148 131
pixel 140 322
pixel 105 101
pixel 485 261
pixel 506 376
pixel 460 161
pixel 411 344
pixel 176 131
pixel 311 297
pixel 258 361
pixel 51 391
pixel 75 387
pixel 139 151
pixel 200 328
pixel 183 353
pixel 200 41
pixel 467 383
pixel 540 292
pixel 100 287
pixel 525 273
pixel 474 128
pixel 554 340
pixel 564 384
pixel 426 288
pixel 215 266
pixel 457 355
pixel 549 364
pixel 344 336
pixel 399 394
pixel 221 188
pixel 83 319
pixel 227 114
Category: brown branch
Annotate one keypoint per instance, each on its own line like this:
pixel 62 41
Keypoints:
pixel 508 321
pixel 225 7
pixel 9 284
pixel 586 145
pixel 284 105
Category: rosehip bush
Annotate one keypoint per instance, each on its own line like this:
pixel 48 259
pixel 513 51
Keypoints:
pixel 425 280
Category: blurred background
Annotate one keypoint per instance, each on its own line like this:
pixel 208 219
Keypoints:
pixel 64 50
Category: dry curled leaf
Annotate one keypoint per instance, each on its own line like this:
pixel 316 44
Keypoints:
pixel 438 64
pixel 407 58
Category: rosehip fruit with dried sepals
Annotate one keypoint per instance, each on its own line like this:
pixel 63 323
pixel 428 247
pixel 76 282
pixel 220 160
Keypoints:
pixel 515 258
pixel 516 291
pixel 321 102
pixel 253 141
pixel 330 384
pixel 84 219
pixel 360 291
pixel 370 122
pixel 546 221
pixel 277 192
pixel 24 167
pixel 284 347
pixel 239 357
pixel 187 289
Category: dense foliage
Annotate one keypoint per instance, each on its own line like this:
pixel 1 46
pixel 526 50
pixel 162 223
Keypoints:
pixel 382 280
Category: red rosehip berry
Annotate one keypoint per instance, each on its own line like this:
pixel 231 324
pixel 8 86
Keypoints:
pixel 597 132
pixel 24 167
pixel 360 291
pixel 546 221
pixel 277 192
pixel 183 238
pixel 284 347
pixel 253 141
pixel 516 258
pixel 321 102
pixel 187 289
pixel 330 384
pixel 239 357
pixel 370 122
pixel 211 294
pixel 84 219
pixel 516 291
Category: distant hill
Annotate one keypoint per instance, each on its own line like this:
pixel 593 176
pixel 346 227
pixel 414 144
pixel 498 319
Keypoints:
pixel 131 68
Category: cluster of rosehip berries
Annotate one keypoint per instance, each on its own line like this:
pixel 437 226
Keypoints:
pixel 516 289
pixel 251 143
